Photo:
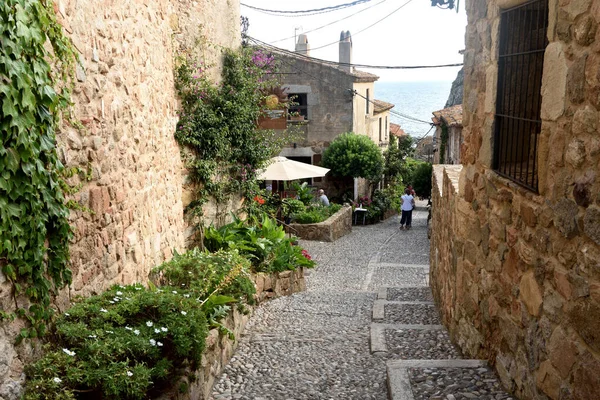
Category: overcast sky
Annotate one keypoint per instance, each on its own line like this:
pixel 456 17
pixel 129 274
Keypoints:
pixel 416 34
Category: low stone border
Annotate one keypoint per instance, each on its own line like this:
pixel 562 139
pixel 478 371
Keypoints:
pixel 336 226
pixel 399 387
pixel 219 348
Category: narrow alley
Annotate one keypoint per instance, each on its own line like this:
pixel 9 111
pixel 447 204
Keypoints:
pixel 366 323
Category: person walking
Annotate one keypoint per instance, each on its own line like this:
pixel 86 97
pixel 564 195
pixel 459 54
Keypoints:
pixel 408 203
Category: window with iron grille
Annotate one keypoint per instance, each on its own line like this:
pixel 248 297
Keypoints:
pixel 523 41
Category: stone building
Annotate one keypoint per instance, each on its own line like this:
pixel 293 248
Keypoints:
pixel 126 101
pixel 515 251
pixel 334 98
pixel 448 135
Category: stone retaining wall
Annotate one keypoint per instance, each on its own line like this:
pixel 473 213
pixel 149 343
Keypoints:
pixel 515 273
pixel 336 226
pixel 219 348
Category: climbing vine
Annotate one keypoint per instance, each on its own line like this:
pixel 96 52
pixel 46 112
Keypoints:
pixel 34 228
pixel 444 143
pixel 218 123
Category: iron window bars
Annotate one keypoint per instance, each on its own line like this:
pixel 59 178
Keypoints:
pixel 523 41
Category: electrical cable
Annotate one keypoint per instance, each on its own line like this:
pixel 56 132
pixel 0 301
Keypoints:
pixel 370 26
pixel 317 10
pixel 331 23
pixel 334 63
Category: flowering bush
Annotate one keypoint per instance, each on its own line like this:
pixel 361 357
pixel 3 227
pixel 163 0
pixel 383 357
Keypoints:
pixel 126 343
pixel 131 342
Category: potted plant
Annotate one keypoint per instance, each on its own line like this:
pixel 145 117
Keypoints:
pixel 296 116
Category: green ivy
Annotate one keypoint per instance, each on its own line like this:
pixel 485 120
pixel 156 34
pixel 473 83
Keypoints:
pixel 34 228
pixel 218 123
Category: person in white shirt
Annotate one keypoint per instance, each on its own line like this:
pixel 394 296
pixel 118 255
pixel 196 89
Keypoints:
pixel 408 203
pixel 322 198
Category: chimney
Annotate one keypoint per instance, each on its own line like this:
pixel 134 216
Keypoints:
pixel 345 51
pixel 302 46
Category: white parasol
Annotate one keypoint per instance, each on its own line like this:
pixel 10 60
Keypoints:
pixel 284 169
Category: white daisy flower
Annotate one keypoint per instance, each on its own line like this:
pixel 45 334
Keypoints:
pixel 128 328
pixel 129 373
pixel 119 293
pixel 163 329
pixel 69 352
pixel 183 313
pixel 136 332
pixel 103 310
pixel 153 342
pixel 57 380
pixel 159 344
pixel 149 323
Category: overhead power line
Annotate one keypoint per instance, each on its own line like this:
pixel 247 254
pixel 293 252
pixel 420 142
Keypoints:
pixel 370 26
pixel 331 23
pixel 334 63
pixel 316 10
pixel 354 92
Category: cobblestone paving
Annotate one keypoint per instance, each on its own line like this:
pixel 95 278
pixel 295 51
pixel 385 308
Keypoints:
pixel 315 345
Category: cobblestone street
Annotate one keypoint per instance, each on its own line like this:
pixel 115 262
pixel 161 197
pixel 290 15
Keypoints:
pixel 366 328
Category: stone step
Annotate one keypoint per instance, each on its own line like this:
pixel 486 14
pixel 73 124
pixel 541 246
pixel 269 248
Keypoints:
pixel 378 343
pixel 399 382
pixel 379 306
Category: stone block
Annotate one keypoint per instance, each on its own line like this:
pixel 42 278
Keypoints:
pixel 584 30
pixel 528 215
pixel 562 284
pixel 548 380
pixel 591 223
pixel 554 82
pixel 585 319
pixel 586 378
pixel 530 293
pixel 565 214
pixel 562 352
pixel 576 80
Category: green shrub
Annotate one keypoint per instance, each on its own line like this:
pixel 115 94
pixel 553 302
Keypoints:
pixel 421 180
pixel 303 191
pixel 292 206
pixel 316 213
pixel 261 240
pixel 127 343
pixel 354 155
pixel 225 272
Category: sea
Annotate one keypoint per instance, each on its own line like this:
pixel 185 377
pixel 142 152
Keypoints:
pixel 416 100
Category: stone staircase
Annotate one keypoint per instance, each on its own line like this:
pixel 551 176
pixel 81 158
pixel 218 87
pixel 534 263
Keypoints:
pixel 422 363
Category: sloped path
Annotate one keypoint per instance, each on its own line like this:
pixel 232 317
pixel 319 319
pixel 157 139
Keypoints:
pixel 367 304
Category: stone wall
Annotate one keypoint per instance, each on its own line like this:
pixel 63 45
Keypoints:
pixel 125 99
pixel 336 226
pixel 516 273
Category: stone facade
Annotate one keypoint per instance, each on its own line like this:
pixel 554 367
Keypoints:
pixel 336 103
pixel 514 272
pixel 336 226
pixel 125 99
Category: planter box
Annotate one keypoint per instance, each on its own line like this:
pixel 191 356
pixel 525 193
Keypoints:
pixel 336 226
pixel 219 348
